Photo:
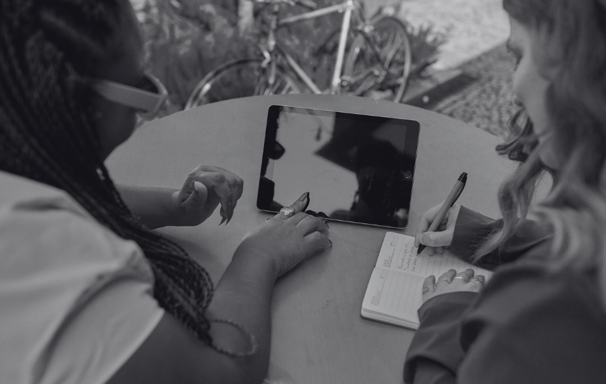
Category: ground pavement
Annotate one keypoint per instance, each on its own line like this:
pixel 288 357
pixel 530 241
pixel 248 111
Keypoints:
pixel 473 72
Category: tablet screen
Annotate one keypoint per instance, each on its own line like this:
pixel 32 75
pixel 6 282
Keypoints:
pixel 357 168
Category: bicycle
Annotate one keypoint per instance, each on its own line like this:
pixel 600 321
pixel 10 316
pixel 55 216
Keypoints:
pixel 378 62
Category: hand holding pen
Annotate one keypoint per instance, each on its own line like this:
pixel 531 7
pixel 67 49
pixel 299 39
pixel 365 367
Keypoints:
pixel 441 218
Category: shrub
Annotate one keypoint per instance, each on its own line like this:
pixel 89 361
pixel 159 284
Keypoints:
pixel 185 39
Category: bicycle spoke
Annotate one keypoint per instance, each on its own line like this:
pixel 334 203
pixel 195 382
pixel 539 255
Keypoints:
pixel 240 78
pixel 276 86
pixel 378 63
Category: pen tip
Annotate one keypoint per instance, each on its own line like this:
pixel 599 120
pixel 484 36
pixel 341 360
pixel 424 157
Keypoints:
pixel 463 177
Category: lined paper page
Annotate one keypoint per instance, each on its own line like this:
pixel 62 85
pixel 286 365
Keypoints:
pixel 395 294
pixel 398 253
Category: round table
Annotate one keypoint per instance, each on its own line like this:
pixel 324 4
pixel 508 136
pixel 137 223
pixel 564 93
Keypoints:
pixel 318 336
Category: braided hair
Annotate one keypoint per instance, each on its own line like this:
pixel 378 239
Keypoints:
pixel 47 133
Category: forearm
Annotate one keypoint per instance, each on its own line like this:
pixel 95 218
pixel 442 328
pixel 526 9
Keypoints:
pixel 152 205
pixel 243 295
pixel 472 229
pixel 435 352
pixel 171 354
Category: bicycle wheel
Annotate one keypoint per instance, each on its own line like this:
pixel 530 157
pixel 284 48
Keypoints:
pixel 378 65
pixel 240 78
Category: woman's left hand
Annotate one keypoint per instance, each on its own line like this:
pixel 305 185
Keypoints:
pixel 205 188
pixel 451 281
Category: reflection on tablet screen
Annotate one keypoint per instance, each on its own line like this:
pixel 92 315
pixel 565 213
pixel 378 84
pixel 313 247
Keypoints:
pixel 357 168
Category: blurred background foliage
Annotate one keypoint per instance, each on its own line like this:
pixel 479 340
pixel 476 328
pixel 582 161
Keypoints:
pixel 185 39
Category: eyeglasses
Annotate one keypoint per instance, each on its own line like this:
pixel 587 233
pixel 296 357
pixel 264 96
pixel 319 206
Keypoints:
pixel 147 97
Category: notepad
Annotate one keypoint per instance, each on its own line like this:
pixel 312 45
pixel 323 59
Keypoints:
pixel 393 294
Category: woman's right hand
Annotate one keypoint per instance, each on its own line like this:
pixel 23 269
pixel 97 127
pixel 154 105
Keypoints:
pixel 436 241
pixel 286 240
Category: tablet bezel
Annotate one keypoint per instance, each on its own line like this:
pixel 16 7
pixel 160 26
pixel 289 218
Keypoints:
pixel 410 144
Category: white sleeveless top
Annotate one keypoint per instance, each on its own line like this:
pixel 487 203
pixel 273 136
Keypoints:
pixel 75 299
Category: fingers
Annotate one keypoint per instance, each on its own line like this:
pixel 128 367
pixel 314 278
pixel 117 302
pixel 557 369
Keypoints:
pixel 446 277
pixel 309 224
pixel 228 190
pixel 218 183
pixel 436 239
pixel 200 192
pixel 478 280
pixel 429 285
pixel 451 282
pixel 437 250
pixel 444 235
pixel 301 203
pixel 464 281
pixel 316 242
pixel 313 230
pixel 466 275
pixel 317 214
pixel 297 207
pixel 227 186
pixel 425 221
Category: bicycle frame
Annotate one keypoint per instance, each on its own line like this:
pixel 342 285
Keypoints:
pixel 347 7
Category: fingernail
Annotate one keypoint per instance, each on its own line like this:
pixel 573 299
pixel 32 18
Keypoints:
pixel 222 221
pixel 304 196
pixel 330 242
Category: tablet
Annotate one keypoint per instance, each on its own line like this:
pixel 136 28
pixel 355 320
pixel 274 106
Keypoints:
pixel 357 168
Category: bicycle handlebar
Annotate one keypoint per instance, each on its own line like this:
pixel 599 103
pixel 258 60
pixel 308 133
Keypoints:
pixel 305 3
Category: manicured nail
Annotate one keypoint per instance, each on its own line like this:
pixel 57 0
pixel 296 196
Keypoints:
pixel 304 196
pixel 307 200
pixel 222 221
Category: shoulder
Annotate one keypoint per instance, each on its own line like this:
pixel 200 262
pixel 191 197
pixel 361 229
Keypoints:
pixel 550 324
pixel 67 283
pixel 43 227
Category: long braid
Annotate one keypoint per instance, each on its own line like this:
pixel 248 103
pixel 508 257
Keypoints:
pixel 47 132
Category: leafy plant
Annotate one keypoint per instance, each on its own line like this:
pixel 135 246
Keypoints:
pixel 185 39
pixel 183 44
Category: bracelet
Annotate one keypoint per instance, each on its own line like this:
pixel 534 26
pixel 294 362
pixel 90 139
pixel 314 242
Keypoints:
pixel 252 340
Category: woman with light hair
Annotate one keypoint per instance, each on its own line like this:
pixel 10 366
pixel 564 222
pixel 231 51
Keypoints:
pixel 542 316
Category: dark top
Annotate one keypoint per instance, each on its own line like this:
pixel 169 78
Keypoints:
pixel 530 324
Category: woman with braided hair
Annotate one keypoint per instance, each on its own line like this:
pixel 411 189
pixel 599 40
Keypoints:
pixel 542 316
pixel 88 293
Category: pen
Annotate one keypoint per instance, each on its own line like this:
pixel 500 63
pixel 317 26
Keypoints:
pixel 450 200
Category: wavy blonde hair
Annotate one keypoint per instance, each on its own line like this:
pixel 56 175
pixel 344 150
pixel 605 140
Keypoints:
pixel 575 32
